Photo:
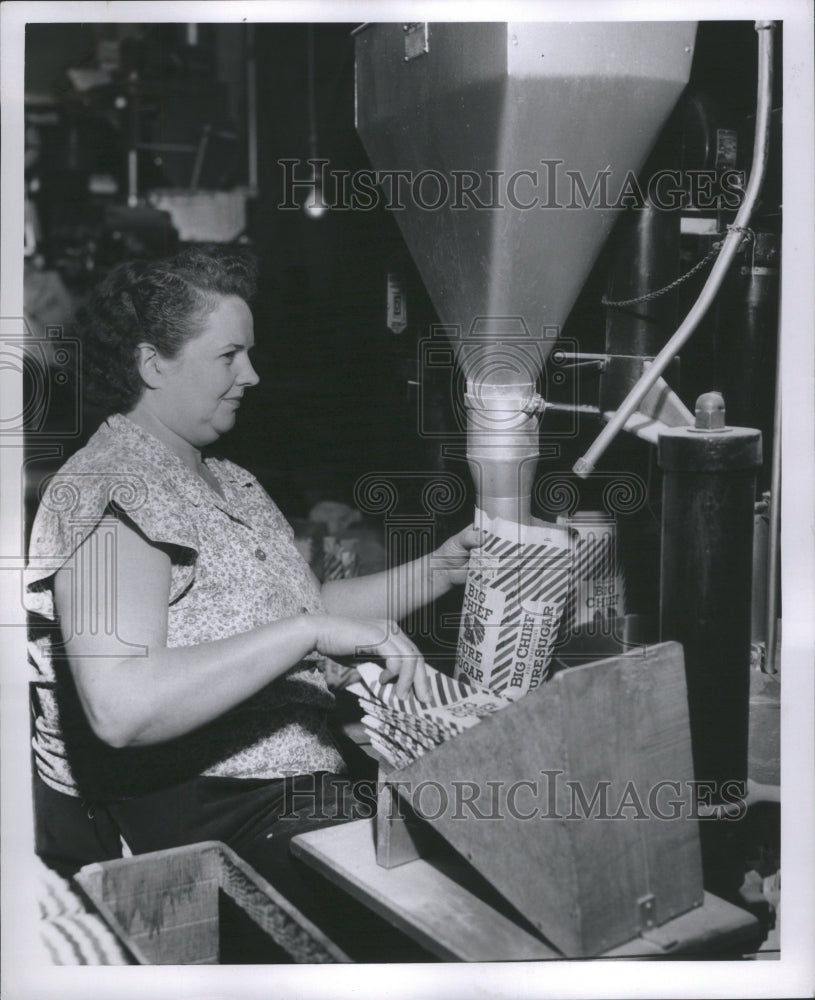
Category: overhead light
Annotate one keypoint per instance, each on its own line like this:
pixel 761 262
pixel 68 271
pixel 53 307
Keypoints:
pixel 315 205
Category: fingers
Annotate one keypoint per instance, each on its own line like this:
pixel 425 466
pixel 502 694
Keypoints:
pixel 470 537
pixel 453 555
pixel 403 662
pixel 409 671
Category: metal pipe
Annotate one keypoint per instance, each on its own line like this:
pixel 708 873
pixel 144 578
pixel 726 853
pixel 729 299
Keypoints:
pixel 585 465
pixel 502 447
pixel 773 549
pixel 312 101
pixel 251 110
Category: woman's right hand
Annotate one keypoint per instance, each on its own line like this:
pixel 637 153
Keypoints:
pixel 339 636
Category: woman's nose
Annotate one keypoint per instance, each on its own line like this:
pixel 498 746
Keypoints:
pixel 248 375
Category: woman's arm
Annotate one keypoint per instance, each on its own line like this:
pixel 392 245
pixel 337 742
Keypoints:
pixel 158 693
pixel 397 592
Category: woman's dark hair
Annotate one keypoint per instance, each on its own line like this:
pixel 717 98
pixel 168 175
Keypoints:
pixel 159 302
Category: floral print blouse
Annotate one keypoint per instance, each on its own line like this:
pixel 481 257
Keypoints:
pixel 234 567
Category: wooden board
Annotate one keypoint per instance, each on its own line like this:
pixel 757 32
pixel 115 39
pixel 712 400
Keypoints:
pixel 443 915
pixel 164 905
pixel 626 720
pixel 417 898
pixel 618 725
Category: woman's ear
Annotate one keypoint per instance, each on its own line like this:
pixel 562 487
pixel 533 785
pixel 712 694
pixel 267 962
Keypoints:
pixel 150 365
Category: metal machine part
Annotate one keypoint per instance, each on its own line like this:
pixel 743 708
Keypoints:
pixel 502 448
pixel 705 599
pixel 735 235
pixel 473 131
pixel 646 258
pixel 745 340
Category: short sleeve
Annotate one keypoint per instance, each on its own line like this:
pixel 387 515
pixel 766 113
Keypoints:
pixel 72 507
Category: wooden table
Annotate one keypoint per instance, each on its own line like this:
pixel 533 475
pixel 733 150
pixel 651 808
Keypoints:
pixel 432 902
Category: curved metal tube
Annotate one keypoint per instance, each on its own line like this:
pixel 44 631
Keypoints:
pixel 585 465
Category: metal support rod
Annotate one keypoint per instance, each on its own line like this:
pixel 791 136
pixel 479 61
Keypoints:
pixel 585 465
pixel 774 541
pixel 591 411
pixel 251 109
pixel 312 101
pixel 560 356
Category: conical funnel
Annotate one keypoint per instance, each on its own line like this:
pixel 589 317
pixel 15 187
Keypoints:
pixel 516 147
pixel 544 121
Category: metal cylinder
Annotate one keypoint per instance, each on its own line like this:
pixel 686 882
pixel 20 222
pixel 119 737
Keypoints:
pixel 746 337
pixel 646 258
pixel 502 448
pixel 708 500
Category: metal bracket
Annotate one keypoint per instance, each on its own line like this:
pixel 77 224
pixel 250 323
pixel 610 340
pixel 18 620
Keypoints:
pixel 415 39
pixel 662 403
pixel 647 912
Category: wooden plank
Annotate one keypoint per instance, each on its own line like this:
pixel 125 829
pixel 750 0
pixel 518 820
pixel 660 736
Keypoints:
pixel 275 915
pixel 442 915
pixel 494 770
pixel 418 899
pixel 177 865
pixel 182 944
pixel 400 835
pixel 625 724
pixel 164 905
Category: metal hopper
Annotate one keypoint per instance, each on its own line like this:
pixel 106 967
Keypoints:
pixel 517 141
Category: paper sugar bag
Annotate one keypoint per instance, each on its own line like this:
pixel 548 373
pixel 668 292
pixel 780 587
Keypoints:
pixel 453 706
pixel 597 593
pixel 516 589
pixel 402 729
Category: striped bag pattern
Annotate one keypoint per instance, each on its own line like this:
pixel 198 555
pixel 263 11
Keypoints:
pixel 537 577
pixel 594 563
pixel 402 729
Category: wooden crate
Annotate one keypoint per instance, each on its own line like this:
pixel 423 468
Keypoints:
pixel 586 882
pixel 200 904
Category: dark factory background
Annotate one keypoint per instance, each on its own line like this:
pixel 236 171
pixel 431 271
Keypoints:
pixel 330 405
pixel 338 393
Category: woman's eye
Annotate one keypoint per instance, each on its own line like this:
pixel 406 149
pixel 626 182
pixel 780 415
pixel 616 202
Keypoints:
pixel 229 356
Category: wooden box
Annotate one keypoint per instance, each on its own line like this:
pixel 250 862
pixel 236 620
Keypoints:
pixel 576 802
pixel 200 904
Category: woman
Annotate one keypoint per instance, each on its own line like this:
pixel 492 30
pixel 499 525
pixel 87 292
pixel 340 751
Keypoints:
pixel 185 698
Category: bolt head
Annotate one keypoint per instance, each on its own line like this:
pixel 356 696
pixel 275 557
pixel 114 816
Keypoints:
pixel 710 415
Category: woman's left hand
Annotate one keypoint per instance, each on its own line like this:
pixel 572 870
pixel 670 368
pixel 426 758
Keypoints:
pixel 453 556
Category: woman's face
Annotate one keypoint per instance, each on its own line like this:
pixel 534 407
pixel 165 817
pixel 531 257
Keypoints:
pixel 203 385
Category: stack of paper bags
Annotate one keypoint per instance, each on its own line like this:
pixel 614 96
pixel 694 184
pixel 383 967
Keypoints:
pixel 403 729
